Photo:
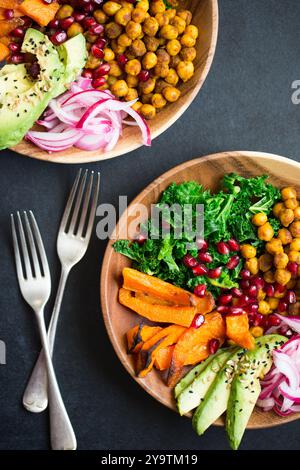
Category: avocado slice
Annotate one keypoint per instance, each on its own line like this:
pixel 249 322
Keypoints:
pixel 246 388
pixel 190 376
pixel 73 54
pixel 216 398
pixel 195 392
pixel 14 80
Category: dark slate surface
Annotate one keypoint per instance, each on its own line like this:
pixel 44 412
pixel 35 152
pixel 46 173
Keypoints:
pixel 245 104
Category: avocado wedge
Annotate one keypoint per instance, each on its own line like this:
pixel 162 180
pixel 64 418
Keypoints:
pixel 190 376
pixel 246 388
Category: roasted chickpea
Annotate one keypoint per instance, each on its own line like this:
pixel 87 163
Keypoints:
pixel 131 95
pixel 281 260
pixel 279 206
pixel 113 30
pixel 144 4
pixel 138 14
pixel 186 15
pixel 162 19
pixel 126 3
pixel 148 111
pixel 133 30
pixel 248 251
pixel 295 244
pixel 116 47
pixel 168 32
pixel 132 81
pixel 90 38
pixel 172 77
pixel 64 12
pixel 124 40
pixel 171 93
pixel 274 246
pixel 146 99
pixel 123 16
pixel 286 217
pixel 163 56
pixel 115 69
pixel 273 302
pixel 151 43
pixel 108 54
pixel 187 40
pixel 119 88
pixel 259 219
pixel 175 60
pixel 133 67
pixel 294 256
pixel 297 213
pixel 74 29
pixel 147 87
pixel 173 47
pixel 288 193
pixel 149 60
pixel 157 7
pixel 285 236
pixel 265 232
pixel 291 284
pixel 162 42
pixel 137 48
pixel 264 307
pixel 160 85
pixel 282 276
pixel 111 80
pixel 261 295
pixel 111 8
pixel 265 262
pixel 269 277
pixel 158 101
pixel 185 70
pixel 92 62
pixel 188 54
pixel 256 331
pixel 100 16
pixel 252 265
pixel 137 106
pixel 291 203
pixel 192 30
pixel 295 229
pixel 171 13
pixel 150 26
pixel 179 24
pixel 161 70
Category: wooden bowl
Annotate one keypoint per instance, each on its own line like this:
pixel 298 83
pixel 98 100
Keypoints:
pixel 207 171
pixel 205 16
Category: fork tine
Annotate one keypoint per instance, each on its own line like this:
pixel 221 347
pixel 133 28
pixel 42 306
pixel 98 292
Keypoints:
pixel 78 203
pixel 93 209
pixel 85 205
pixel 35 260
pixel 28 269
pixel 40 244
pixel 69 204
pixel 16 248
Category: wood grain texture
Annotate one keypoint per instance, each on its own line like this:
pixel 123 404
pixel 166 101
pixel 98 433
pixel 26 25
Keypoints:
pixel 205 16
pixel 207 171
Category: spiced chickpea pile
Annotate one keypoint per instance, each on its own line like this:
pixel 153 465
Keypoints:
pixel 145 52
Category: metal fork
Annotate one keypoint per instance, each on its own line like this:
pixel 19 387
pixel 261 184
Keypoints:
pixel 35 284
pixel 72 242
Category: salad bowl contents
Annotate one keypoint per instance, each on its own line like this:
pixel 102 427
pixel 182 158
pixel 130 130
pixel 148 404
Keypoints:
pixel 210 324
pixel 95 73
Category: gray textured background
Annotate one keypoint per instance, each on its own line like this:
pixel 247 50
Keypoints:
pixel 245 104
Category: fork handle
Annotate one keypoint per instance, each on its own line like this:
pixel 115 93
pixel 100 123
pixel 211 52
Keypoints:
pixel 35 398
pixel 61 431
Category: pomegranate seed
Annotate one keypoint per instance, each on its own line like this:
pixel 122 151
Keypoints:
pixel 14 47
pixel 189 261
pixel 223 248
pixel 96 29
pixel 122 60
pixel 9 14
pixel 141 237
pixel 197 321
pixel 199 270
pixel 215 273
pixel 222 309
pixel 143 76
pixel 245 284
pixel 233 245
pixel 27 22
pixel 101 71
pixel 17 33
pixel 258 319
pixel 253 308
pixel 200 290
pixel 34 70
pixel 279 288
pixel 292 266
pixel 200 242
pixel 250 318
pixel 282 306
pixel 66 22
pixel 236 292
pixel 89 8
pixel 101 43
pixel 233 262
pixel 205 257
pixel 235 311
pixel 97 52
pixel 245 274
pixel 225 299
pixel 87 73
pixel 59 37
pixel 213 346
pixel 252 291
pixel 290 297
pixel 17 58
pixel 273 320
pixel 98 82
pixel 259 282
pixel 88 22
pixel 53 24
pixel 243 301
pixel 269 290
pixel 78 16
pixel 283 330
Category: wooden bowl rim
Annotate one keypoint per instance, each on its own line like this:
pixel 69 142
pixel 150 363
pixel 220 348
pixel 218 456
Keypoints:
pixel 91 157
pixel 109 252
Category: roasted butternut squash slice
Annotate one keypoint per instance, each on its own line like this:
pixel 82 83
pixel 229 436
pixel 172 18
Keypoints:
pixel 237 329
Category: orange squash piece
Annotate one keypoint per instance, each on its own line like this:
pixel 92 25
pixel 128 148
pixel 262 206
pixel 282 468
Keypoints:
pixel 39 11
pixel 163 358
pixel 237 329
pixel 192 347
pixel 7 26
pixel 139 282
pixel 4 52
pixel 150 299
pixel 10 4
pixel 137 335
pixel 5 40
pixel 158 313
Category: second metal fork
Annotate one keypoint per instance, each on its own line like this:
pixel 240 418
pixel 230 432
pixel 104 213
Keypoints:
pixel 72 242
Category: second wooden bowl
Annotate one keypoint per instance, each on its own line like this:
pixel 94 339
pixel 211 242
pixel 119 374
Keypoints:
pixel 208 171
pixel 205 16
